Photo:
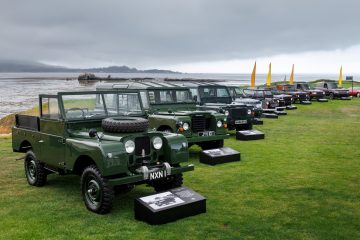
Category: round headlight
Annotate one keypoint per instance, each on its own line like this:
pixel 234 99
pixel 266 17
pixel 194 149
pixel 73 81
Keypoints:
pixel 226 113
pixel 129 146
pixel 186 126
pixel 249 111
pixel 157 143
pixel 219 123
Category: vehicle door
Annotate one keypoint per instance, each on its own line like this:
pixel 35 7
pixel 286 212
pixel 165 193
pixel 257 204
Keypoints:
pixel 52 128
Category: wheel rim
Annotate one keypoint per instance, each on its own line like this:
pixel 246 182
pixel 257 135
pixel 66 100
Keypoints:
pixel 31 170
pixel 93 192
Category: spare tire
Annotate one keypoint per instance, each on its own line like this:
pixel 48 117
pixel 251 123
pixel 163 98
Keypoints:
pixel 125 124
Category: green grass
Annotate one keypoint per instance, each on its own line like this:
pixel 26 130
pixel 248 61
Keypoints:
pixel 301 182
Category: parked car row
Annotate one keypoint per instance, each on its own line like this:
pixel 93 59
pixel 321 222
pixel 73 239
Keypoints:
pixel 139 132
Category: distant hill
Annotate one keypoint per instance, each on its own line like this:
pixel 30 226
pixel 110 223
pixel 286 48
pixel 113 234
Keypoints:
pixel 35 67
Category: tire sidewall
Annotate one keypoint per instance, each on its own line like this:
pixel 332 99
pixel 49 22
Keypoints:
pixel 104 205
pixel 29 158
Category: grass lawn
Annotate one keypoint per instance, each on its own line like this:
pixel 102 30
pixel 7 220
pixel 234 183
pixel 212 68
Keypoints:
pixel 301 182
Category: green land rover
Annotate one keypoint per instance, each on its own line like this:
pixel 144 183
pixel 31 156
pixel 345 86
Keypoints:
pixel 109 147
pixel 171 108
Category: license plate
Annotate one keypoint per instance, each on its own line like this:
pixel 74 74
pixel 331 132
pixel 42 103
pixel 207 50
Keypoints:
pixel 240 121
pixel 206 134
pixel 157 174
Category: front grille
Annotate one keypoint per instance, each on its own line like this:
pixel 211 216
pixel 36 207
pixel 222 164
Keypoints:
pixel 200 123
pixel 238 113
pixel 142 144
pixel 287 101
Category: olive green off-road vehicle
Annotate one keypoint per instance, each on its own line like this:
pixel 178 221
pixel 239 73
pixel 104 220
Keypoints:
pixel 109 146
pixel 171 108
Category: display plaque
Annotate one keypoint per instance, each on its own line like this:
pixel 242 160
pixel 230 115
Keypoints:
pixel 219 156
pixel 270 115
pixel 169 206
pixel 247 135
pixel 291 107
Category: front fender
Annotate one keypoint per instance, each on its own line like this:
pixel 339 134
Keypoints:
pixel 108 164
pixel 176 148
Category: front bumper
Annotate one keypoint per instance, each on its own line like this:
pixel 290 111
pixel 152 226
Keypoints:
pixel 139 177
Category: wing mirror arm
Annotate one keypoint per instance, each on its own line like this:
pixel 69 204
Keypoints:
pixel 93 133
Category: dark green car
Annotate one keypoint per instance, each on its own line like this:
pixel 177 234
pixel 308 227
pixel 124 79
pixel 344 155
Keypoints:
pixel 109 146
pixel 171 108
pixel 216 97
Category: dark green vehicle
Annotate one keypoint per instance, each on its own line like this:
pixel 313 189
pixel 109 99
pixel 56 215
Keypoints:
pixel 109 147
pixel 210 96
pixel 171 108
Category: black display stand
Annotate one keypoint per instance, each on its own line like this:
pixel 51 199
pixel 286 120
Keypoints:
pixel 258 121
pixel 306 102
pixel 345 98
pixel 249 135
pixel 281 113
pixel 270 115
pixel 219 155
pixel 169 206
pixel 322 100
pixel 291 107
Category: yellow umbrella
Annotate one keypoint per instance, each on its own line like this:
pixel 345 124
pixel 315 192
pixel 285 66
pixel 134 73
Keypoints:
pixel 252 83
pixel 292 75
pixel 340 77
pixel 268 80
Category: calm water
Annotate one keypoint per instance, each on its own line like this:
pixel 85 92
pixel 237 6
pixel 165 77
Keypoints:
pixel 22 94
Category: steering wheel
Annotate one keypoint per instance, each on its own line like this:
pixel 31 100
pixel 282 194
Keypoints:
pixel 77 109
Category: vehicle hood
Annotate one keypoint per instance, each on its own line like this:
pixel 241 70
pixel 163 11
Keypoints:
pixel 184 113
pixel 342 90
pixel 249 101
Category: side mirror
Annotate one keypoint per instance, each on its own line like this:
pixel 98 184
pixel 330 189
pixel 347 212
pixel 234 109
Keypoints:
pixel 93 133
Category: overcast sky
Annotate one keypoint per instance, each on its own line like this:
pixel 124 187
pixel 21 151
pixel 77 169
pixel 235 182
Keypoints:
pixel 185 35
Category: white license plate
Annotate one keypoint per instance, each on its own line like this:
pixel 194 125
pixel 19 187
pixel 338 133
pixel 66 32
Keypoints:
pixel 157 175
pixel 206 134
pixel 240 121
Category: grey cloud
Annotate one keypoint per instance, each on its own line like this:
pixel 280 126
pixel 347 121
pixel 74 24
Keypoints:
pixel 150 33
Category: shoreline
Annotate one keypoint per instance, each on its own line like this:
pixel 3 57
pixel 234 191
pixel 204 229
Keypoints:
pixel 39 78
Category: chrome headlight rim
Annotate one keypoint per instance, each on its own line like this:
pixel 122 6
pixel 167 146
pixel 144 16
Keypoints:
pixel 157 143
pixel 186 126
pixel 129 146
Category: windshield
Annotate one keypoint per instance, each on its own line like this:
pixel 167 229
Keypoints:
pixel 249 93
pixel 214 92
pixel 289 88
pixel 332 85
pixel 99 105
pixel 169 96
pixel 304 86
pixel 268 93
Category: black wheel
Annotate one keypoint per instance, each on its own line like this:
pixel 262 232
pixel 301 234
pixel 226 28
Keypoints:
pixel 331 96
pixel 169 182
pixel 97 193
pixel 125 124
pixel 212 144
pixel 34 170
